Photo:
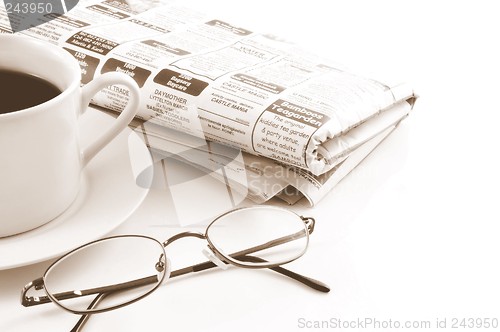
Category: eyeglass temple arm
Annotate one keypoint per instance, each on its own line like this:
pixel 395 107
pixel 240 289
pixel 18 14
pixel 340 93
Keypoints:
pixel 95 302
pixel 310 222
pixel 310 282
pixel 270 244
pixel 29 301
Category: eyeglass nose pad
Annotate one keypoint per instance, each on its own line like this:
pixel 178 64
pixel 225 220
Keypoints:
pixel 211 256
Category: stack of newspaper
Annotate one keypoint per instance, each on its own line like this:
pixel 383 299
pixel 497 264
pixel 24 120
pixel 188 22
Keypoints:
pixel 254 111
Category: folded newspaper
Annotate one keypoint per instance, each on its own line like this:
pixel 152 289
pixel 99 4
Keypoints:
pixel 257 112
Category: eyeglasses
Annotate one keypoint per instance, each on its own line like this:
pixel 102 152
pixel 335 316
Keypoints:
pixel 124 269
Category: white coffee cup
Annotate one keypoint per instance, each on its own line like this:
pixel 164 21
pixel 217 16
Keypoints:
pixel 40 156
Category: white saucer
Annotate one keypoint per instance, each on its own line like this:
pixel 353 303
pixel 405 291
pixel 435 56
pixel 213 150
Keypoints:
pixel 108 195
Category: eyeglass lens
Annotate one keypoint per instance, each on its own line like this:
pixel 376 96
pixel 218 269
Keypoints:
pixel 123 266
pixel 276 236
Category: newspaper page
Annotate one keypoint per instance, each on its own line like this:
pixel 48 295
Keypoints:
pixel 222 83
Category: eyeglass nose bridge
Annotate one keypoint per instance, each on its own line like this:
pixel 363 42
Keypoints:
pixel 213 255
pixel 183 235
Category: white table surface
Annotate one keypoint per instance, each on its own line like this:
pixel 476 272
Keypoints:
pixel 411 235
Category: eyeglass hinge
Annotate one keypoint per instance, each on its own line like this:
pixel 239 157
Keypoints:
pixel 310 222
pixel 27 301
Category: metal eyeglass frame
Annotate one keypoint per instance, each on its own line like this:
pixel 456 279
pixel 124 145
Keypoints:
pixel 217 259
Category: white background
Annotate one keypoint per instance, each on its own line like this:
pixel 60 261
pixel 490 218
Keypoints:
pixel 412 234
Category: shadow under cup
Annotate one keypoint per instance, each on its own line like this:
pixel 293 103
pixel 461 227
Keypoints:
pixel 40 161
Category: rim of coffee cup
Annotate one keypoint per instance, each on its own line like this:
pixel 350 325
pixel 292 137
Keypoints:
pixel 69 60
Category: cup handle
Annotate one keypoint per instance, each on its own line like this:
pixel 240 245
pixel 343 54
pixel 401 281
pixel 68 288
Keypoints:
pixel 122 121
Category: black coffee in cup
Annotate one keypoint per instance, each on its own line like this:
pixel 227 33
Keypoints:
pixel 19 91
